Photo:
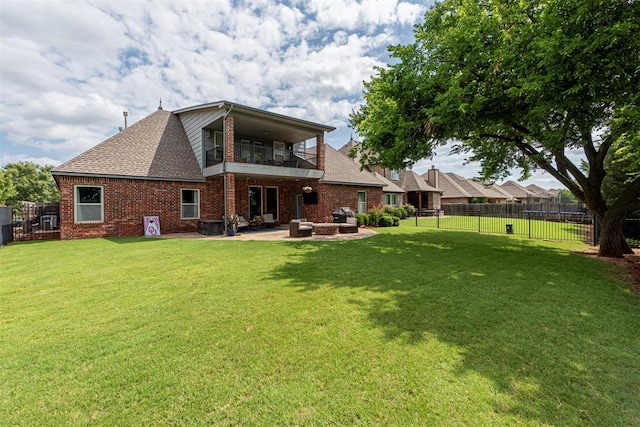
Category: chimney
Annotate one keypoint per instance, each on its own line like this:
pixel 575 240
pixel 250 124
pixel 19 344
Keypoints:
pixel 125 114
pixel 433 176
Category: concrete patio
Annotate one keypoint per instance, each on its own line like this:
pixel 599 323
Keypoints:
pixel 277 234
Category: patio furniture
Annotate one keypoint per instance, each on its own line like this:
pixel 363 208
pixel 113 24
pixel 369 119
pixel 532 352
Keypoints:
pixel 351 226
pixel 210 227
pixel 242 223
pixel 268 221
pixel 326 228
pixel 300 228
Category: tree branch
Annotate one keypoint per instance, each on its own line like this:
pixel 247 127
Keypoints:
pixel 535 155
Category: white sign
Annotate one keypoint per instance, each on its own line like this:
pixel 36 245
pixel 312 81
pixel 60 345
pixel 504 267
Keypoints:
pixel 151 226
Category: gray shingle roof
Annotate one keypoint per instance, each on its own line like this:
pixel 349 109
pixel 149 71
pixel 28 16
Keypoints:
pixel 390 186
pixel 477 189
pixel 450 187
pixel 340 169
pixel 456 186
pixel 156 147
pixel 516 190
pixel 411 181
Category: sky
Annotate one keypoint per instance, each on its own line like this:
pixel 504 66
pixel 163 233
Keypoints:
pixel 68 69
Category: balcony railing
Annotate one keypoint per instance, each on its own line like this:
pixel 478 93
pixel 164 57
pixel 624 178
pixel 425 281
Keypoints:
pixel 248 153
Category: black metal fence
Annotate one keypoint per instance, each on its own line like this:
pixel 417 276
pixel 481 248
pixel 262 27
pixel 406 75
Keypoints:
pixel 36 221
pixel 553 222
pixel 572 222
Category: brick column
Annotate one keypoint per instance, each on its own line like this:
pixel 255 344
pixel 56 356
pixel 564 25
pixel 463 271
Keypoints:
pixel 320 151
pixel 229 133
pixel 230 196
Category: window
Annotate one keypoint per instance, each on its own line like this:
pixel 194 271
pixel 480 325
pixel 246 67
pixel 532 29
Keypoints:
pixel 362 202
pixel 394 175
pixel 89 206
pixel 189 204
pixel 390 199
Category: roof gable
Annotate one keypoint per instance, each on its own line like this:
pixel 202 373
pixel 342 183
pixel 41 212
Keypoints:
pixel 340 169
pixel 156 147
pixel 411 181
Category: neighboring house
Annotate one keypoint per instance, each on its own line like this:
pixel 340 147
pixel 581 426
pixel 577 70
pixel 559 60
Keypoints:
pixel 403 186
pixel 393 194
pixel 421 193
pixel 200 162
pixel 543 195
pixel 520 193
pixel 457 189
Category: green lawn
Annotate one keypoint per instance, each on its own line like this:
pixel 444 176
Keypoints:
pixel 414 326
pixel 533 228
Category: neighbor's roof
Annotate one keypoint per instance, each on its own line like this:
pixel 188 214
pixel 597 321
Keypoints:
pixel 156 147
pixel 476 188
pixel 497 188
pixel 340 169
pixel 390 186
pixel 516 190
pixel 411 181
pixel 539 191
pixel 450 187
pixel 346 149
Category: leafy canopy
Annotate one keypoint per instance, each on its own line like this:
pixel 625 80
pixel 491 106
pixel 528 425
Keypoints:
pixel 27 181
pixel 516 84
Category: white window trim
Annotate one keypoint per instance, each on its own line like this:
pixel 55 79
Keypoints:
pixel 76 203
pixel 364 201
pixel 190 204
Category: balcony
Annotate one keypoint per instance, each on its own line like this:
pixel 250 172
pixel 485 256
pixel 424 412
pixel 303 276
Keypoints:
pixel 260 155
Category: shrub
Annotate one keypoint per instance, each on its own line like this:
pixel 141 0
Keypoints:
pixel 411 210
pixel 400 212
pixel 396 221
pixel 388 209
pixel 385 221
pixel 363 219
pixel 374 216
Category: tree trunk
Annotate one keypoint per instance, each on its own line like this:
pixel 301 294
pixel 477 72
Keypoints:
pixel 612 241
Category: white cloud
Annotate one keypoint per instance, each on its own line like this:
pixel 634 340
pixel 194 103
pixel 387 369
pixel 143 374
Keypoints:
pixel 69 68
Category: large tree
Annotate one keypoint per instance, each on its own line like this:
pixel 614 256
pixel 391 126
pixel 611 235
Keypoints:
pixel 27 181
pixel 518 84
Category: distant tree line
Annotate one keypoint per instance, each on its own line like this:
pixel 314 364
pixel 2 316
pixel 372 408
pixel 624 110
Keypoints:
pixel 27 181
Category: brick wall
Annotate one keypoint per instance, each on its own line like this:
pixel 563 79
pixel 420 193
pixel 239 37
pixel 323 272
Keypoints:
pixel 331 196
pixel 127 201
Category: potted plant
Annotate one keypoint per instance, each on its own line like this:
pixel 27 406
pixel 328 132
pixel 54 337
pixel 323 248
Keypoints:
pixel 232 225
pixel 307 189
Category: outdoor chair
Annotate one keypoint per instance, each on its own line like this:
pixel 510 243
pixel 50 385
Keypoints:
pixel 242 223
pixel 351 226
pixel 300 228
pixel 268 221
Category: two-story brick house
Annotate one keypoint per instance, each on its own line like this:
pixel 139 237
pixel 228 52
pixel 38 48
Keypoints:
pixel 205 162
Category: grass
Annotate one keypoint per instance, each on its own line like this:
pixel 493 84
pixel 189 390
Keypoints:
pixel 533 228
pixel 412 327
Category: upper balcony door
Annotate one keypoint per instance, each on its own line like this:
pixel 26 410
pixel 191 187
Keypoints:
pixel 251 151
